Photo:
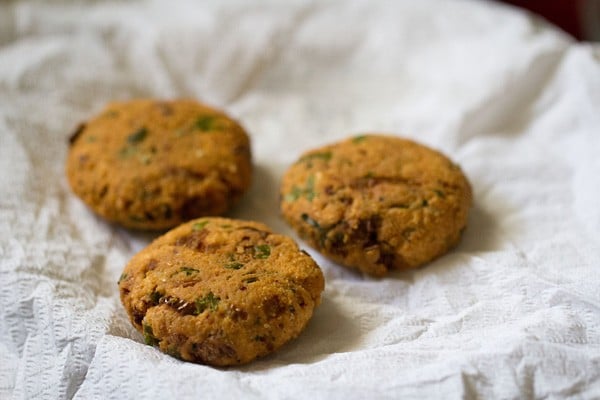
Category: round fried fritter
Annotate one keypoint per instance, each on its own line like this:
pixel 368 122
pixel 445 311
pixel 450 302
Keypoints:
pixel 148 164
pixel 220 292
pixel 376 203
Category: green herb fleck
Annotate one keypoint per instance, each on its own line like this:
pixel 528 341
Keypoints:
pixel 321 231
pixel 137 136
pixel 226 226
pixel 174 352
pixel 308 191
pixel 189 271
pixel 205 123
pixel 310 188
pixel 180 132
pixel 91 139
pixel 122 277
pixel 306 218
pixel 369 175
pixel 262 251
pixel 149 338
pixel 127 152
pixel 440 193
pixel 198 226
pixel 210 301
pixel 250 280
pixel 325 156
pixel 145 158
pixel 359 139
pixel 155 297
pixel 294 194
pixel 234 265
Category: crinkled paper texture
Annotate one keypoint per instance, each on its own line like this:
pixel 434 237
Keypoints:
pixel 512 312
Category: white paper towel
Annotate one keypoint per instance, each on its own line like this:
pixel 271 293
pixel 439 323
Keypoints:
pixel 513 312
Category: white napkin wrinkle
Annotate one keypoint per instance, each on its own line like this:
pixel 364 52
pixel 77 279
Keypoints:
pixel 512 312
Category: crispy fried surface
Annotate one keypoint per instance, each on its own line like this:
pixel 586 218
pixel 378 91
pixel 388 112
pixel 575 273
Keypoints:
pixel 376 203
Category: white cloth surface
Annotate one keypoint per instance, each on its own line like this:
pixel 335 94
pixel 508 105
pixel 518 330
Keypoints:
pixel 512 312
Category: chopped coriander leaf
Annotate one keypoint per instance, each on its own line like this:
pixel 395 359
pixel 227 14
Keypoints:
pixel 306 218
pixel 358 139
pixel 205 123
pixel 439 193
pixel 155 297
pixel 262 251
pixel 210 301
pixel 250 280
pixel 294 195
pixel 234 265
pixel 320 230
pixel 198 226
pixel 310 188
pixel 127 152
pixel 325 156
pixel 189 271
pixel 173 352
pixel 91 139
pixel 122 277
pixel 149 338
pixel 137 136
pixel 308 191
pixel 145 158
pixel 226 226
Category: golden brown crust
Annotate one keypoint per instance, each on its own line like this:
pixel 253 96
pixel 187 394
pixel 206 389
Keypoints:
pixel 149 164
pixel 220 292
pixel 376 202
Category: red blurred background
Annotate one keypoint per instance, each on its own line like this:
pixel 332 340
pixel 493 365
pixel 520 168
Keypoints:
pixel 580 18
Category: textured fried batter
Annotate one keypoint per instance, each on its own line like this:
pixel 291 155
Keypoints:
pixel 150 164
pixel 220 292
pixel 377 203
